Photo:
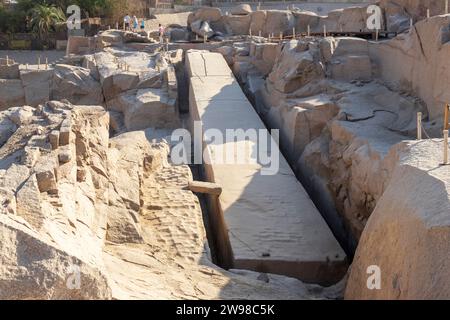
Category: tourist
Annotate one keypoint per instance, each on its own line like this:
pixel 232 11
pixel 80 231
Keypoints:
pixel 143 24
pixel 126 22
pixel 161 33
pixel 135 23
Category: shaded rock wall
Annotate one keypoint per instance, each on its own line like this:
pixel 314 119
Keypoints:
pixel 416 62
pixel 407 234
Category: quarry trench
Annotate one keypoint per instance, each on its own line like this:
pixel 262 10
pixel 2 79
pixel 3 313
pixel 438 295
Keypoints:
pixel 334 221
pixel 347 238
pixel 238 256
pixel 344 133
pixel 87 173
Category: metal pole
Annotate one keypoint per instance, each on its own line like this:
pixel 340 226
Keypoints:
pixel 419 125
pixel 445 146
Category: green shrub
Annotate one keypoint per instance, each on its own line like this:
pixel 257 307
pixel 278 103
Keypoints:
pixel 19 18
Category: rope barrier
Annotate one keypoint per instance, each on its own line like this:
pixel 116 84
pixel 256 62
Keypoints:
pixel 428 136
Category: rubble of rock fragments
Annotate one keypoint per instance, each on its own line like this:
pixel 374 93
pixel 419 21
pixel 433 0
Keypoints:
pixel 94 205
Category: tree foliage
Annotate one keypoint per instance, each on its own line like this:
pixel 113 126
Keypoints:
pixel 46 18
pixel 18 17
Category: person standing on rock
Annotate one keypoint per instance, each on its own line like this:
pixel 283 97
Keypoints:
pixel 143 24
pixel 161 33
pixel 135 23
pixel 126 22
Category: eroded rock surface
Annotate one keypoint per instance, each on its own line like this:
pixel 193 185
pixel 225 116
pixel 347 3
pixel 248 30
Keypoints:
pixel 346 109
pixel 112 210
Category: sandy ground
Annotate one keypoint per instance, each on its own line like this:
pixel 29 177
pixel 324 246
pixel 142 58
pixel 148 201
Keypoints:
pixel 31 57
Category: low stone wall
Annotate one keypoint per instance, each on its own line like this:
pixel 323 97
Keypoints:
pixel 35 85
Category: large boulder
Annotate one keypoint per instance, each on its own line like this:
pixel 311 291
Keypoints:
pixel 303 19
pixel 347 58
pixel 132 37
pixel 401 62
pixel 7 128
pixel 352 67
pixel 296 68
pixel 258 21
pixel 61 217
pixel 348 19
pixel 76 85
pixel 37 85
pixel 417 8
pixel 115 81
pixel 34 268
pixel 205 14
pixel 238 24
pixel 9 71
pixel 126 157
pixel 178 34
pixel 278 21
pixel 11 93
pixel 397 19
pixel 241 9
pixel 145 108
pixel 403 251
pixel 202 28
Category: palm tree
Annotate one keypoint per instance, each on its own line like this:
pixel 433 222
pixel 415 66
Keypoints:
pixel 45 18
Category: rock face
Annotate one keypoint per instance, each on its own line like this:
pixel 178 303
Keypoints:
pixel 415 62
pixel 237 24
pixel 90 207
pixel 205 14
pixel 337 126
pixel 76 85
pixel 397 17
pixel 34 87
pixel 273 22
pixel 147 108
pixel 242 9
pixel 46 204
pixel 285 78
pixel 11 93
pixel 417 9
pixel 145 94
pixel 9 71
pixel 202 28
pixel 121 71
pixel 407 235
